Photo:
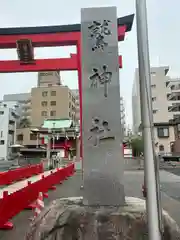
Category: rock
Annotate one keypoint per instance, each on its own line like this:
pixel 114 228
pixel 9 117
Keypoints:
pixel 68 219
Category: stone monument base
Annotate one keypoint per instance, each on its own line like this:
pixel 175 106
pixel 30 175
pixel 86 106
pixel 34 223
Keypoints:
pixel 68 219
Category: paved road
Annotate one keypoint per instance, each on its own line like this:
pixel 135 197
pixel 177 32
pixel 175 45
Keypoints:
pixel 71 187
pixel 175 170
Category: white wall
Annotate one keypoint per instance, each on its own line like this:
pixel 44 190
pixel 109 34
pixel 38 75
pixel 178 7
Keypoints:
pixel 6 139
pixel 159 93
pixel 160 105
pixel 136 106
pixel 4 126
pixel 166 142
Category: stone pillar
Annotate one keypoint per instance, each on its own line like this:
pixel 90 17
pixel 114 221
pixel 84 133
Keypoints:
pixel 101 125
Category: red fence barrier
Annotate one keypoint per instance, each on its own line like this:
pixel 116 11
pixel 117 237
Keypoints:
pixel 20 173
pixel 11 205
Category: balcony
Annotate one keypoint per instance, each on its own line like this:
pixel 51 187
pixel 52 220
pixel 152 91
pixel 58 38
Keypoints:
pixel 175 85
pixel 175 107
pixel 77 109
pixel 176 116
pixel 11 127
pixel 173 97
pixel 26 113
pixel 77 115
pixel 26 106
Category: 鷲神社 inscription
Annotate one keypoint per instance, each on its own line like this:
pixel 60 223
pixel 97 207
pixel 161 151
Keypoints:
pixel 101 78
pixel 103 164
pixel 100 131
pixel 98 32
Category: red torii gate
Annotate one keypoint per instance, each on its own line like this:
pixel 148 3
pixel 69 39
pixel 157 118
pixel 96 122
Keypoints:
pixel 53 36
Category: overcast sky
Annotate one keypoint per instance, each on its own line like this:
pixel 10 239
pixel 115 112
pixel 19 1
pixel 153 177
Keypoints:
pixel 164 38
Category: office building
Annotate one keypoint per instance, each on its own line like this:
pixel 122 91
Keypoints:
pixel 165 106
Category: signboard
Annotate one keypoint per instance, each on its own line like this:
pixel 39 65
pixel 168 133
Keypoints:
pixel 103 168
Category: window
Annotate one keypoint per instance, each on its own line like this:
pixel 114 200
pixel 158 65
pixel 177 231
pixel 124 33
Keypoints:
pixel 44 113
pixel 44 94
pixel 44 104
pixel 1 134
pixel 163 132
pixel 53 93
pixel 11 122
pixel 175 116
pixel 153 99
pixel 69 114
pixel 161 148
pixel 33 136
pixel 2 142
pixel 178 127
pixel 154 111
pixel 49 85
pixel 153 74
pixel 46 74
pixel 73 99
pixel 20 137
pixel 69 105
pixel 53 113
pixel 53 103
pixel 153 86
pixel 1 112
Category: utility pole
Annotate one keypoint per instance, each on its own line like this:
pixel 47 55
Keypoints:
pixel 145 80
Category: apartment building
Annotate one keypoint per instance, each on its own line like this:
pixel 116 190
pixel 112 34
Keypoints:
pixel 75 92
pixel 123 115
pixel 22 101
pixel 55 102
pixel 51 103
pixel 8 118
pixel 17 97
pixel 49 100
pixel 174 97
pixel 164 105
